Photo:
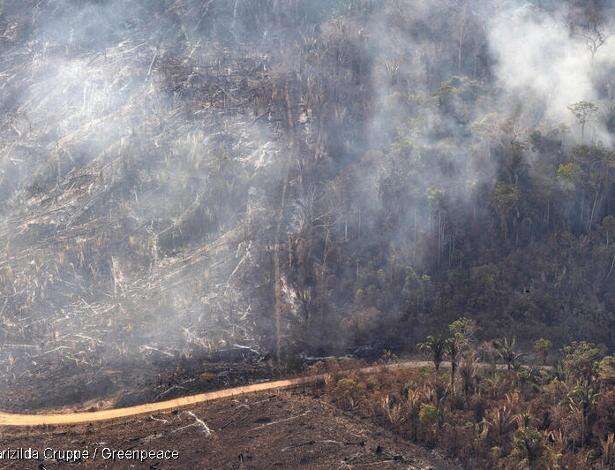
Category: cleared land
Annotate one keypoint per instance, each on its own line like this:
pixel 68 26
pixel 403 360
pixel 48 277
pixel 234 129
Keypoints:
pixel 261 430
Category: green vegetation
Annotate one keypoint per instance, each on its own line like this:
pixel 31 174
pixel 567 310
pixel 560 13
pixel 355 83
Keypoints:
pixel 306 178
pixel 525 416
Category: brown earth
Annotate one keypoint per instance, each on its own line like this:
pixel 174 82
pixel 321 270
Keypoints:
pixel 124 385
pixel 265 430
pixel 111 410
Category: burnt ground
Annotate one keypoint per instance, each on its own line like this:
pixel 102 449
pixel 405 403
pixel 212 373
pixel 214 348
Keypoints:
pixel 258 431
pixel 125 384
pixel 51 386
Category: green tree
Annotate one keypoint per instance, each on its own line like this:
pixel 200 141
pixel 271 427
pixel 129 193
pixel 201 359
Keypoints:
pixel 466 329
pixel 542 347
pixel 606 370
pixel 505 349
pixel 434 346
pixel 583 397
pixel 462 333
pixel 581 361
pixel 453 351
pixel 529 447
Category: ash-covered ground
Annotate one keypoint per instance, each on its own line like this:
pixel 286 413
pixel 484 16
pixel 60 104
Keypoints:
pixel 130 135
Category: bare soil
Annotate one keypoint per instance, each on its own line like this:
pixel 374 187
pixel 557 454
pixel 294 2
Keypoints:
pixel 264 430
pixel 124 385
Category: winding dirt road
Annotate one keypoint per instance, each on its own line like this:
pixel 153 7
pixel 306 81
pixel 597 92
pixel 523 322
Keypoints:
pixel 21 420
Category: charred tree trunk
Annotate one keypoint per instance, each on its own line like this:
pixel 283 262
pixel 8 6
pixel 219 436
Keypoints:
pixel 279 303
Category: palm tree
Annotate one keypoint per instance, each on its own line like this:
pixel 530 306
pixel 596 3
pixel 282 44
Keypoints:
pixel 584 398
pixel 453 350
pixel 498 425
pixel 434 346
pixel 414 400
pixel 529 445
pixel 541 348
pixel 506 350
pixel 608 451
pixel 468 371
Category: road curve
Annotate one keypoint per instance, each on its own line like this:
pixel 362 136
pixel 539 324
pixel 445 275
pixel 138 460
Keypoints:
pixel 22 420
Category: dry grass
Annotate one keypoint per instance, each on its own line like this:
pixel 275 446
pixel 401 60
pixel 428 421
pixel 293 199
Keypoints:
pixel 510 419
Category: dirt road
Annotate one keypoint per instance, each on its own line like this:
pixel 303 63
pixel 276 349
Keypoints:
pixel 16 419
pixel 13 419
pixel 268 430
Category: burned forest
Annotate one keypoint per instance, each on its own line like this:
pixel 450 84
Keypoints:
pixel 201 194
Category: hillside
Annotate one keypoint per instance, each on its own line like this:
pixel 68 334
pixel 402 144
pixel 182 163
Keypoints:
pixel 198 194
pixel 193 186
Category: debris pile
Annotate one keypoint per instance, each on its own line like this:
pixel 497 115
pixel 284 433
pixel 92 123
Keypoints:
pixel 123 165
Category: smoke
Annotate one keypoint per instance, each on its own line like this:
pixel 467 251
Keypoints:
pixel 541 60
pixel 114 176
pixel 153 153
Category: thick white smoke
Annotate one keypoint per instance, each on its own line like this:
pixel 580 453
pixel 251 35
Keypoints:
pixel 539 58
